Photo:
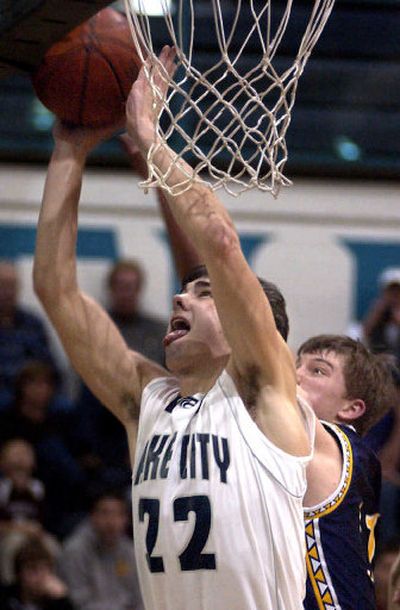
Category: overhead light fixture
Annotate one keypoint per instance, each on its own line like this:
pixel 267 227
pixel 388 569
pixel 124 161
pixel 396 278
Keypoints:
pixel 152 8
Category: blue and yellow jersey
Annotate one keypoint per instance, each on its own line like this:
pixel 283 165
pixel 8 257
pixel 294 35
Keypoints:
pixel 340 532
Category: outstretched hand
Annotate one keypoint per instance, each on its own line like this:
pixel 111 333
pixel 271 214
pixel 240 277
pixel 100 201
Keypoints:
pixel 143 106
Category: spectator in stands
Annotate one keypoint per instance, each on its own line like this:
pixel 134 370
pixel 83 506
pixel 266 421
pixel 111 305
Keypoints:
pixel 22 334
pixel 98 561
pixel 381 327
pixel 108 457
pixel 143 333
pixel 37 587
pixel 384 439
pixel 21 495
pixel 34 417
pixel 390 496
pixel 394 584
pixel 21 503
pixel 385 560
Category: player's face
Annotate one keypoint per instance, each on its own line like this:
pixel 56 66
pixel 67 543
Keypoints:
pixel 320 377
pixel 194 329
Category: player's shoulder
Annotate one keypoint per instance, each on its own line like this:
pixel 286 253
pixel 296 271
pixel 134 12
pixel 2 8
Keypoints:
pixel 363 460
pixel 357 442
pixel 147 369
pixel 160 385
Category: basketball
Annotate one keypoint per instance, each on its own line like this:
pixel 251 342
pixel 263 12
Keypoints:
pixel 85 78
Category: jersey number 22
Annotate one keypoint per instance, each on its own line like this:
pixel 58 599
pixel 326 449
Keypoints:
pixel 191 557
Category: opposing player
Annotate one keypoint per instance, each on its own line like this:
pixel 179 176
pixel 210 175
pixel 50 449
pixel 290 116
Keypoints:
pixel 350 389
pixel 222 445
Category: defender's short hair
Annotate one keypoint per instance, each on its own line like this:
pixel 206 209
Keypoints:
pixel 370 377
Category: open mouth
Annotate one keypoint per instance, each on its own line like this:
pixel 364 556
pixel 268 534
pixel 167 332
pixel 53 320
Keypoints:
pixel 179 327
pixel 179 324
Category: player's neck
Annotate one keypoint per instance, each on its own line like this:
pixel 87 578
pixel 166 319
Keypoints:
pixel 199 379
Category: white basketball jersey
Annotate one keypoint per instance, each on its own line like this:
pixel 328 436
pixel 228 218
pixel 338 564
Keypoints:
pixel 217 508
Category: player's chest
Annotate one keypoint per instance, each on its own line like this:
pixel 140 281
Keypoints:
pixel 191 441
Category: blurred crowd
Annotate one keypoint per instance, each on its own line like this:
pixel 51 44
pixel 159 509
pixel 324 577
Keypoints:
pixel 65 525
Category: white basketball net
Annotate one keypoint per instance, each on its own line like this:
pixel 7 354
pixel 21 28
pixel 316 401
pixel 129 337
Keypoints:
pixel 223 120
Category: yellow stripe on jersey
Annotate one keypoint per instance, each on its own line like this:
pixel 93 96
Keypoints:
pixel 318 574
pixel 338 498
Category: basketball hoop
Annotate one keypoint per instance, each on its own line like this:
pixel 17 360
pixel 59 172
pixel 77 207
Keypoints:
pixel 228 119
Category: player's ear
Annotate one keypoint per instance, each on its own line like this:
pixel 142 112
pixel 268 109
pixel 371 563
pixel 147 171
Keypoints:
pixel 353 409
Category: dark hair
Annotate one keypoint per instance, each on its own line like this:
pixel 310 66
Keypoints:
pixel 35 369
pixel 367 376
pixel 98 495
pixel 272 292
pixel 125 265
pixel 32 551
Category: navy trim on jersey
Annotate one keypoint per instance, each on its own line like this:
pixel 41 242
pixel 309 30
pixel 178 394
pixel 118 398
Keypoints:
pixel 340 532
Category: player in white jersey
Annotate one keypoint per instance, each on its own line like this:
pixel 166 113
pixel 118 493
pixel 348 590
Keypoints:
pixel 345 384
pixel 219 474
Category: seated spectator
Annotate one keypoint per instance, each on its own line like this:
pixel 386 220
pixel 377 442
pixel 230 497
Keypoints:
pixel 98 562
pixel 381 327
pixel 21 503
pixel 22 334
pixel 394 585
pixel 390 494
pixel 125 283
pixel 384 438
pixel 37 587
pixel 21 495
pixel 35 417
pixel 385 560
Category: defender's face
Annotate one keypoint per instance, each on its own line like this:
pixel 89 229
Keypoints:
pixel 320 377
pixel 194 328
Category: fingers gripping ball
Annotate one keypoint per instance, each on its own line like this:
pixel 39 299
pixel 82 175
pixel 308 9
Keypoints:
pixel 85 78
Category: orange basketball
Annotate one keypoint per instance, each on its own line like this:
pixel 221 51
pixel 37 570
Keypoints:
pixel 85 78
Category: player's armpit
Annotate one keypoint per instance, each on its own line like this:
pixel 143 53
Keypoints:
pixel 115 374
pixel 282 422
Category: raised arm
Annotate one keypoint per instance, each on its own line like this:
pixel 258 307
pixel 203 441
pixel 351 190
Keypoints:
pixel 115 374
pixel 261 362
pixel 183 251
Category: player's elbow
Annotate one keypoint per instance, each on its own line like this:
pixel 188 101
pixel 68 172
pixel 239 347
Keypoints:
pixel 222 239
pixel 41 288
pixel 39 281
pixel 47 287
